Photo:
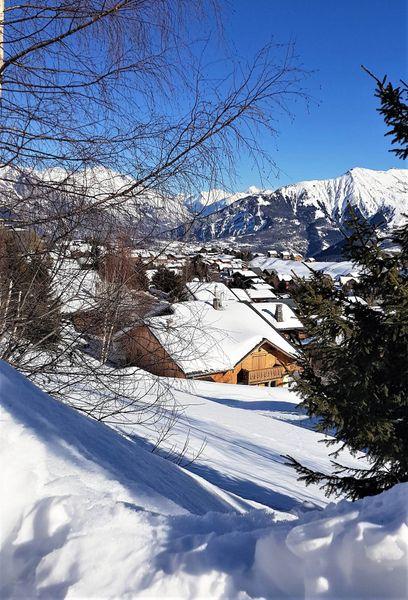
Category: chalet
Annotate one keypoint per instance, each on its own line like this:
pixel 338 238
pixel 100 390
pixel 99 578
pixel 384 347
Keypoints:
pixel 226 343
pixel 347 283
pixel 282 318
pixel 206 291
pixel 260 295
pixel 285 255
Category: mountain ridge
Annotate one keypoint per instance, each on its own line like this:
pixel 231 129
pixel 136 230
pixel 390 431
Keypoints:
pixel 307 216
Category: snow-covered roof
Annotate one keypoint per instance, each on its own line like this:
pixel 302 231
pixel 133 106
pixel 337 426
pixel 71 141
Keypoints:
pixel 240 294
pixel 261 294
pixel 206 291
pixel 268 310
pixel 201 339
pixel 76 288
pixel 343 279
pixel 247 273
pixel 356 300
pixel 261 286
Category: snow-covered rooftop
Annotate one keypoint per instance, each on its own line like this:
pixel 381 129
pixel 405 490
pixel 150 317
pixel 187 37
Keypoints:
pixel 262 294
pixel 206 291
pixel 201 339
pixel 261 286
pixel 241 294
pixel 268 311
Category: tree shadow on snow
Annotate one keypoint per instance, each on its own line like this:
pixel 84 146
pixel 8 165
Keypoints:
pixel 287 410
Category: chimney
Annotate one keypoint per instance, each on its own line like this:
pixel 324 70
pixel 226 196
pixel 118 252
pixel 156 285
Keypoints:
pixel 279 313
pixel 217 304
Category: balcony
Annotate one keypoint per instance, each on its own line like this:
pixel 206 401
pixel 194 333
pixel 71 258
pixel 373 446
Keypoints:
pixel 262 375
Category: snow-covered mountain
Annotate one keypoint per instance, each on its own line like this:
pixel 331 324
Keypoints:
pixel 211 201
pixel 307 216
pixel 95 194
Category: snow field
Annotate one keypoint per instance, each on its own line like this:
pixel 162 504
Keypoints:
pixel 88 513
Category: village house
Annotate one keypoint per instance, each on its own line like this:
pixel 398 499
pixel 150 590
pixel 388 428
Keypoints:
pixel 222 342
pixel 260 295
pixel 282 318
pixel 206 291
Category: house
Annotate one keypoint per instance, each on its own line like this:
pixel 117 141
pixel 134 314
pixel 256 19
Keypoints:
pixel 206 291
pixel 285 255
pixel 273 253
pixel 225 343
pixel 262 295
pixel 282 318
pixel 347 283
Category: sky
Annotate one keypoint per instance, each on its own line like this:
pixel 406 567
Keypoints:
pixel 341 128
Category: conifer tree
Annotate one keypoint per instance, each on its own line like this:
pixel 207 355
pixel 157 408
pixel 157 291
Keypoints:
pixel 394 109
pixel 169 282
pixel 355 373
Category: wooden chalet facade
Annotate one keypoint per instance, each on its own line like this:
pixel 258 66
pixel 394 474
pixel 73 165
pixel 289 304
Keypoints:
pixel 264 365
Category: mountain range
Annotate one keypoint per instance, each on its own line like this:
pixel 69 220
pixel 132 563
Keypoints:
pixel 306 216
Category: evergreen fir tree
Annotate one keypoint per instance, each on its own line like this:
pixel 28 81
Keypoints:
pixel 168 281
pixel 355 374
pixel 394 109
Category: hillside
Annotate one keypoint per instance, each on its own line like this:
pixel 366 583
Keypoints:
pixel 89 513
pixel 307 216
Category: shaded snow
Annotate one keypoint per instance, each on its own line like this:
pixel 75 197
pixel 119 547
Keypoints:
pixel 245 431
pixel 87 513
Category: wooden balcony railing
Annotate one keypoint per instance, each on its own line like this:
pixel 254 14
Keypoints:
pixel 263 375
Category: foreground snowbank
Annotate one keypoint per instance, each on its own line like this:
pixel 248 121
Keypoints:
pixel 349 550
pixel 87 513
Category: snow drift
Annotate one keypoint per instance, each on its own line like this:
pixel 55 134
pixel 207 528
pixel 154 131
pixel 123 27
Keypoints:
pixel 88 513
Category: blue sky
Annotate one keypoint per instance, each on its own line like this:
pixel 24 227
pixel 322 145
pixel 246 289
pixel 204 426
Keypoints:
pixel 341 129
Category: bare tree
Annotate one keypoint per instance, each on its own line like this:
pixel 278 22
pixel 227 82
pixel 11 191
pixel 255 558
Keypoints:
pixel 108 119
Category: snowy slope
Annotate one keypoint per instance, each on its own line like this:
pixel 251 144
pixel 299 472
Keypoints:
pixel 367 190
pixel 307 216
pixel 87 514
pixel 245 431
pixel 37 194
pixel 216 199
